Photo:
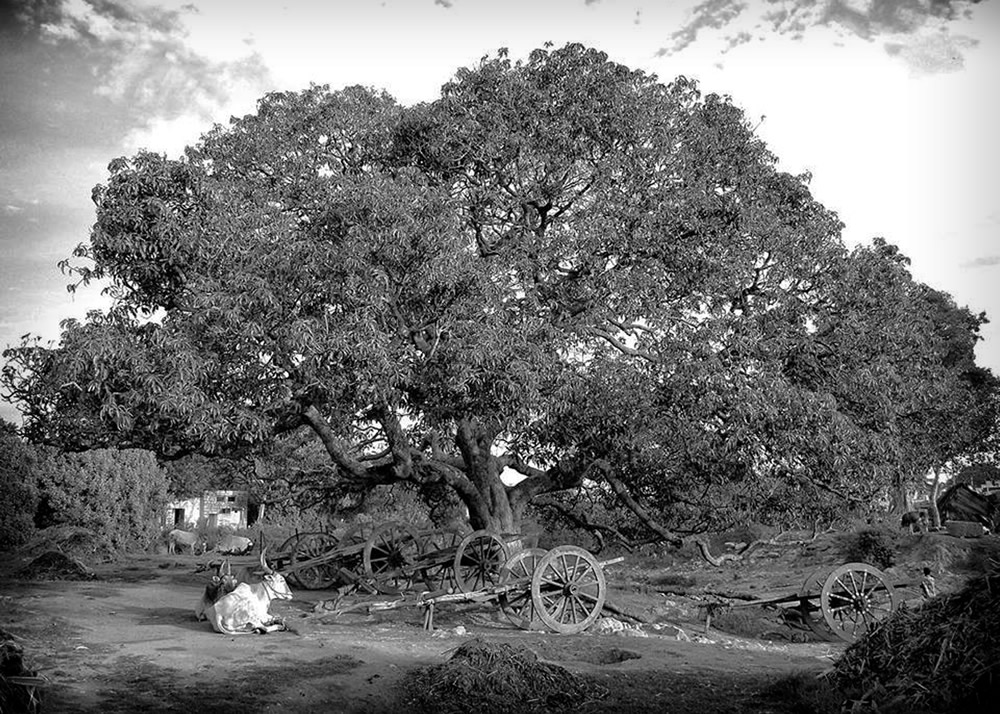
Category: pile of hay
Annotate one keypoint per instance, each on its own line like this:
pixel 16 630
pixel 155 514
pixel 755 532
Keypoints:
pixel 495 678
pixel 944 656
pixel 71 540
pixel 53 565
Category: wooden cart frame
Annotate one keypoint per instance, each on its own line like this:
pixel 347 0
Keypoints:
pixel 853 599
pixel 393 557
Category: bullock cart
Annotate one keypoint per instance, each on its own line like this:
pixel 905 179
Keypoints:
pixel 563 590
pixel 852 599
pixel 394 557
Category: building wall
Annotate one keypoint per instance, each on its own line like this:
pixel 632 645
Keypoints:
pixel 182 513
pixel 210 510
pixel 225 508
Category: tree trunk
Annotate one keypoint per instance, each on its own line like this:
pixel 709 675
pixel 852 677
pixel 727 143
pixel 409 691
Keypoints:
pixel 932 506
pixel 491 509
pixel 900 498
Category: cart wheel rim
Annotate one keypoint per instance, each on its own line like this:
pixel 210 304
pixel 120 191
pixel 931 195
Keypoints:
pixel 855 599
pixel 517 605
pixel 310 547
pixel 390 555
pixel 441 576
pixel 478 561
pixel 568 589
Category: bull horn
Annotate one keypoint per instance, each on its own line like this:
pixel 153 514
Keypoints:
pixel 227 566
pixel 263 562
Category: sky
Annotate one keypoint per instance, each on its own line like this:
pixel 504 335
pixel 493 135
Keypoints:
pixel 891 105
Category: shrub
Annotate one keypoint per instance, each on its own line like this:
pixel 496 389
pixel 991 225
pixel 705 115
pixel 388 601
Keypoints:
pixel 117 494
pixel 873 545
pixel 18 495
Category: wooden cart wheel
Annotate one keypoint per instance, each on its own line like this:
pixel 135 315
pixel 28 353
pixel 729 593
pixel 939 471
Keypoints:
pixel 478 561
pixel 284 552
pixel 441 575
pixel 807 612
pixel 390 556
pixel 289 545
pixel 812 586
pixel 357 534
pixel 855 598
pixel 517 604
pixel 568 589
pixel 309 547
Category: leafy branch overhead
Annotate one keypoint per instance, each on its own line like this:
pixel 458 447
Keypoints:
pixel 562 268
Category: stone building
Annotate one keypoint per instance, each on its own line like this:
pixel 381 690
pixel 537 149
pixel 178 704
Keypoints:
pixel 211 509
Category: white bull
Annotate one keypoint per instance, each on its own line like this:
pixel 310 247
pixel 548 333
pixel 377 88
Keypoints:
pixel 245 609
pixel 233 545
pixel 184 539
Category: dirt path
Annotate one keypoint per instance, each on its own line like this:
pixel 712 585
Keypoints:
pixel 130 642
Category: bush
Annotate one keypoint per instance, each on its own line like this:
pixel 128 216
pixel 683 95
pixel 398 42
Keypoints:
pixel 875 546
pixel 117 494
pixel 18 495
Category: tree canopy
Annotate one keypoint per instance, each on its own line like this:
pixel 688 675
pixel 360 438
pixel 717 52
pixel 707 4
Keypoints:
pixel 561 267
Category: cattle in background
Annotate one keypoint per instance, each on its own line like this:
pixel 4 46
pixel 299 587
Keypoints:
pixel 233 545
pixel 245 609
pixel 184 539
pixel 914 521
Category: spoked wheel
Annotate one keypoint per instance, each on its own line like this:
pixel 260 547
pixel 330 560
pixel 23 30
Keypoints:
pixel 357 534
pixel 568 589
pixel 287 548
pixel 352 544
pixel 310 547
pixel 478 561
pixel 855 598
pixel 439 574
pixel 517 604
pixel 390 556
pixel 807 613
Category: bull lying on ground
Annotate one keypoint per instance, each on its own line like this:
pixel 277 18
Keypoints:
pixel 234 545
pixel 245 609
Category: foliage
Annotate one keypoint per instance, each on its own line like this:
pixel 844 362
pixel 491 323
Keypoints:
pixel 19 469
pixel 194 474
pixel 977 474
pixel 876 546
pixel 117 494
pixel 562 266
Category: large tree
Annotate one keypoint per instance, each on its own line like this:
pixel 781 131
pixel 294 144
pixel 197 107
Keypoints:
pixel 561 266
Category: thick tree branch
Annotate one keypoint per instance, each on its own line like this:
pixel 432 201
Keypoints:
pixel 644 515
pixel 337 449
pixel 580 520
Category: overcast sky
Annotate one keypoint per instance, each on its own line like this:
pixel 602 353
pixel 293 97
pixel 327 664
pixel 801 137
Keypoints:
pixel 892 105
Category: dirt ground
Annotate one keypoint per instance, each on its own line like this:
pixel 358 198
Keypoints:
pixel 128 641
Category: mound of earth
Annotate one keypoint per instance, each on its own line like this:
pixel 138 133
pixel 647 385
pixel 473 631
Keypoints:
pixel 54 565
pixel 72 540
pixel 496 678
